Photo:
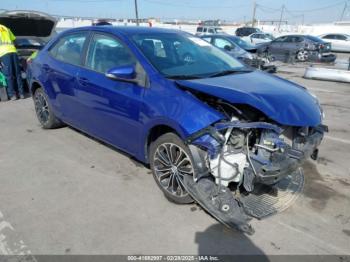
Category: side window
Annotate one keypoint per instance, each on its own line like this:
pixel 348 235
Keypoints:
pixel 341 37
pixel 199 29
pixel 106 52
pixel 204 29
pixel 208 39
pixel 328 37
pixel 295 39
pixel 281 39
pixel 211 31
pixel 69 48
pixel 221 43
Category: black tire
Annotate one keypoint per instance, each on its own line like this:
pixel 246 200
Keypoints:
pixel 169 183
pixel 44 111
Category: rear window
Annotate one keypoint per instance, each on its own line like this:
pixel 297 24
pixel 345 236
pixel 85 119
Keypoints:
pixel 69 48
pixel 314 38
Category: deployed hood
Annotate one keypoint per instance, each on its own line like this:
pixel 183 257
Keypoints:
pixel 28 23
pixel 281 100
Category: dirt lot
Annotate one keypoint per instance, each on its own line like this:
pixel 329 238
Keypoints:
pixel 62 192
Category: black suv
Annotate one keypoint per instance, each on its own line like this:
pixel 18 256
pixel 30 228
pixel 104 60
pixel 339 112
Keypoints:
pixel 245 31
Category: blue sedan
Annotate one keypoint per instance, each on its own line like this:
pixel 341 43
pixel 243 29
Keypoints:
pixel 204 122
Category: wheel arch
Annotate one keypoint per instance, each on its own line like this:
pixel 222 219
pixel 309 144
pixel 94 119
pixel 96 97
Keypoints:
pixel 34 86
pixel 155 132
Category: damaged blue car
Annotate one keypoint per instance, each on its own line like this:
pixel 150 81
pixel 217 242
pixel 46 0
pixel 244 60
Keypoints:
pixel 211 129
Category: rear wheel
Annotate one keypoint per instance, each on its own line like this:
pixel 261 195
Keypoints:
pixel 171 161
pixel 44 111
pixel 302 55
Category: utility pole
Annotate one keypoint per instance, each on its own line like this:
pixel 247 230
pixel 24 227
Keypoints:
pixel 281 17
pixel 136 13
pixel 343 12
pixel 254 10
pixel 302 19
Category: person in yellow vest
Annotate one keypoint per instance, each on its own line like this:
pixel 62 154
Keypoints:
pixel 9 63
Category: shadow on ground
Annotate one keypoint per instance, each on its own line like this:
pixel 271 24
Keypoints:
pixel 219 240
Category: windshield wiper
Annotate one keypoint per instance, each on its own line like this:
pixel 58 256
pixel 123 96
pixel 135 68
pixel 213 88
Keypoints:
pixel 230 71
pixel 183 77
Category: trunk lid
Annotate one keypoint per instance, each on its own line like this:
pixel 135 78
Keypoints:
pixel 29 23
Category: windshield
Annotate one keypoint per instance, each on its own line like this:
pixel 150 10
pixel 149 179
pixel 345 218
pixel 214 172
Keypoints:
pixel 243 44
pixel 269 36
pixel 184 55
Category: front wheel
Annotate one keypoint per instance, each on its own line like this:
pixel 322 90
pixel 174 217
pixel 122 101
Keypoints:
pixel 171 161
pixel 44 111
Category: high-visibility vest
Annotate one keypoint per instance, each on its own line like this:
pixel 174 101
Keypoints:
pixel 6 41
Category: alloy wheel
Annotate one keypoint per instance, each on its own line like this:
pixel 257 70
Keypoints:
pixel 41 108
pixel 171 164
pixel 302 55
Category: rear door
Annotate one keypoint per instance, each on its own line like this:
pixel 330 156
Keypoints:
pixel 61 69
pixel 294 43
pixel 276 47
pixel 116 109
pixel 331 38
pixel 341 42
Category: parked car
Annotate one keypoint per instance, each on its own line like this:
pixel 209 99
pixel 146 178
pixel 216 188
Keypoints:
pixel 32 30
pixel 246 31
pixel 258 38
pixel 244 44
pixel 206 30
pixel 340 42
pixel 300 47
pixel 228 44
pixel 206 126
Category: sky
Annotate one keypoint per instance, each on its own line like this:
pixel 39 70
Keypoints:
pixel 311 11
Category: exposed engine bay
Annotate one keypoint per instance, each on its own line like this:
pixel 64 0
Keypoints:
pixel 233 156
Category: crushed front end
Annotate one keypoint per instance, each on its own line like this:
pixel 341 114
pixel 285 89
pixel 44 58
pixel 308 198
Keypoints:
pixel 233 157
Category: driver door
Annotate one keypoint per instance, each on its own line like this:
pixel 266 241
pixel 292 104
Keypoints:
pixel 117 110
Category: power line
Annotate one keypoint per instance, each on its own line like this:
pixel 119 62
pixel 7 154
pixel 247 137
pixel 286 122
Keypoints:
pixel 318 9
pixel 193 6
pixel 343 12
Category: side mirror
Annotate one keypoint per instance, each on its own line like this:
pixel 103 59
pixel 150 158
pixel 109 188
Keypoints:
pixel 125 73
pixel 228 48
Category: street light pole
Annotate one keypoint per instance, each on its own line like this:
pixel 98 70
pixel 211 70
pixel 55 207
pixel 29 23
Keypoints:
pixel 136 13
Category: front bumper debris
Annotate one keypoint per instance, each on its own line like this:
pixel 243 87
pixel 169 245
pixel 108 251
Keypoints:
pixel 219 202
pixel 217 199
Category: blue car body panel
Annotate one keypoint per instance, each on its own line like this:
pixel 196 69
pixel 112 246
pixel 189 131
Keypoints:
pixel 279 99
pixel 119 113
pixel 123 114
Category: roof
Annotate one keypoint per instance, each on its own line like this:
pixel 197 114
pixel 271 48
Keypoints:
pixel 127 30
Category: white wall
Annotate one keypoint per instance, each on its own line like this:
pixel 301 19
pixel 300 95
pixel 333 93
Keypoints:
pixel 317 29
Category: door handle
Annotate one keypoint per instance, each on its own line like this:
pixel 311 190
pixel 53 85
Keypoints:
pixel 46 68
pixel 83 81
